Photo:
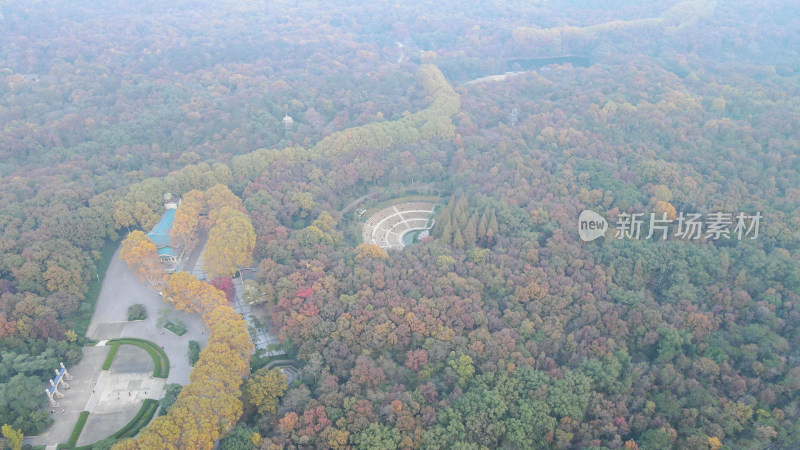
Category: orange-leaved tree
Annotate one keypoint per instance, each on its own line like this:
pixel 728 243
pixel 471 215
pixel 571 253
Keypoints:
pixel 139 252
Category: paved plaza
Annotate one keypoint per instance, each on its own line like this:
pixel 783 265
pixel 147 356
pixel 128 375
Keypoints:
pixel 95 390
pixel 119 393
pixel 113 396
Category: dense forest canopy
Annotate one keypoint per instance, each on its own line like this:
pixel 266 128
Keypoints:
pixel 503 329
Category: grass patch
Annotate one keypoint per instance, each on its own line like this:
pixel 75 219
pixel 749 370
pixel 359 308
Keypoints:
pixel 160 360
pixel 177 328
pixel 413 237
pixel 81 318
pixel 76 432
pixel 105 444
pixel 111 354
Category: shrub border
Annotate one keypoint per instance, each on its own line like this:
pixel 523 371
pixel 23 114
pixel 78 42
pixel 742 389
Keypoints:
pixel 76 432
pixel 176 329
pixel 139 421
pixel 112 353
pixel 160 359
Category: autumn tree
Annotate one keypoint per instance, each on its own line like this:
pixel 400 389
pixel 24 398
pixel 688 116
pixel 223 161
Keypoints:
pixel 139 252
pixel 264 388
pixel 230 243
pixel 14 437
pixel 187 219
pixel 366 250
pixel 225 284
pixel 186 292
pixel 218 197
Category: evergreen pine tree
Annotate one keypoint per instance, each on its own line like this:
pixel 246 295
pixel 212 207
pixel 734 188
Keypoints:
pixel 470 232
pixel 493 224
pixel 458 240
pixel 447 234
pixel 462 204
pixel 492 231
pixel 483 225
pixel 461 219
pixel 451 205
pixel 442 222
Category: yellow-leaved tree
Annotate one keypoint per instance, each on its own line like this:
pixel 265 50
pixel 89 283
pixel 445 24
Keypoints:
pixel 14 437
pixel 264 388
pixel 230 244
pixel 714 443
pixel 186 292
pixel 370 251
pixel 187 219
pixel 219 197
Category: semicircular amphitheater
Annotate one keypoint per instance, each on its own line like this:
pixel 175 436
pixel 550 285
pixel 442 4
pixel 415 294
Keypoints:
pixel 395 227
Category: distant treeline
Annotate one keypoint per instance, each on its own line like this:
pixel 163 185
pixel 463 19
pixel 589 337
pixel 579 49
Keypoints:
pixel 465 68
pixel 433 121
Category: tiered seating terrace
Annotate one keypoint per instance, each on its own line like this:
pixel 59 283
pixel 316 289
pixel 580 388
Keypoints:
pixel 387 227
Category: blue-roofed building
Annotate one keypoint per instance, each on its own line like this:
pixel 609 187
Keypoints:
pixel 160 236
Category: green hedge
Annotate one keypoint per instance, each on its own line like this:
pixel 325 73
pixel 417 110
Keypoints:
pixel 178 328
pixel 194 352
pixel 160 360
pixel 111 354
pixel 76 432
pixel 139 421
